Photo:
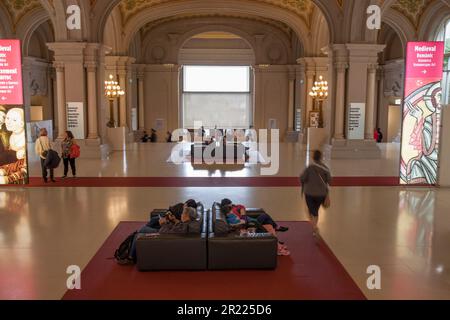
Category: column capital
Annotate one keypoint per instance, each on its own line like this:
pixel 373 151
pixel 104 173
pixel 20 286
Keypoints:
pixel 310 73
pixel 140 75
pixel 59 66
pixel 372 67
pixel 91 66
pixel 341 66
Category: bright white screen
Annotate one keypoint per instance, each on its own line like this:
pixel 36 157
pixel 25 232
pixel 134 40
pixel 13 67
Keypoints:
pixel 217 96
pixel 216 79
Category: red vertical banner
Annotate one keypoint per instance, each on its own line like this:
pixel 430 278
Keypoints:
pixel 421 113
pixel 13 146
pixel 11 90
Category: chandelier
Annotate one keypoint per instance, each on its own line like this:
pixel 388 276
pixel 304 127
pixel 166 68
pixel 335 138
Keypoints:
pixel 319 93
pixel 320 90
pixel 112 91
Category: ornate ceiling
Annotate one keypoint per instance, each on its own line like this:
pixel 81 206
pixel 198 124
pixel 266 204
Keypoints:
pixel 281 26
pixel 412 9
pixel 18 8
pixel 303 8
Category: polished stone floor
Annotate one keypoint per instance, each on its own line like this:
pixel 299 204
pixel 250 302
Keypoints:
pixel 404 231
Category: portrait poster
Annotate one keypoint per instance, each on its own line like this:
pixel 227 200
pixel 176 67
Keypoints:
pixel 13 146
pixel 421 113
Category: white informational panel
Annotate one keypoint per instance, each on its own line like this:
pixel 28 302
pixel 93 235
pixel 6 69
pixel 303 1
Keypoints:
pixel 356 116
pixel 75 119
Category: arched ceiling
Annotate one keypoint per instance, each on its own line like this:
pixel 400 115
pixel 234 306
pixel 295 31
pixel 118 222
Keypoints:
pixel 18 8
pixel 279 25
pixel 303 8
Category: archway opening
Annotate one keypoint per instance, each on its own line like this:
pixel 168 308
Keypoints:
pixel 216 78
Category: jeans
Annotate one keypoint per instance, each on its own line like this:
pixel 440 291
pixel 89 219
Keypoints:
pixel 144 230
pixel 264 219
pixel 66 162
pixel 44 171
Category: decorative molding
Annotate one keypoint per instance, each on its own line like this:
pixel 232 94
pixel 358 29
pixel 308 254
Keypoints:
pixel 152 25
pixel 413 10
pixel 18 8
pixel 303 8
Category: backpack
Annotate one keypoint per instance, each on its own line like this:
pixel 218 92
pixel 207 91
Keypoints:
pixel 75 151
pixel 124 250
pixel 52 159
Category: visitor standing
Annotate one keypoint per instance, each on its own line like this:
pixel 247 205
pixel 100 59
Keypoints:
pixel 42 146
pixel 69 151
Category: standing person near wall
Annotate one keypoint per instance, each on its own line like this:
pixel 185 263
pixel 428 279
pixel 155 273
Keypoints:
pixel 70 151
pixel 379 136
pixel 315 186
pixel 42 146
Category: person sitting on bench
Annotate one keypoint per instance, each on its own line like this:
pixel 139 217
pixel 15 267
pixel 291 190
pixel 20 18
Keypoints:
pixel 176 210
pixel 187 224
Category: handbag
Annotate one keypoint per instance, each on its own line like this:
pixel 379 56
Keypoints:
pixel 327 202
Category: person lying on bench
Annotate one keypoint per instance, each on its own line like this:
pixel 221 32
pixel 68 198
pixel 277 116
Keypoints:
pixel 239 212
pixel 187 224
pixel 176 210
pixel 236 217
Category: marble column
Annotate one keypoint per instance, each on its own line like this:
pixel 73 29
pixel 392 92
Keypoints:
pixel 370 101
pixel 122 100
pixel 61 99
pixel 310 75
pixel 140 77
pixel 92 101
pixel 300 97
pixel 291 101
pixel 340 100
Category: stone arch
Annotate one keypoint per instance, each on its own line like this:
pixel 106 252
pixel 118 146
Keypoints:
pixel 401 25
pixel 61 33
pixel 218 27
pixel 433 21
pixel 6 30
pixel 329 9
pixel 28 25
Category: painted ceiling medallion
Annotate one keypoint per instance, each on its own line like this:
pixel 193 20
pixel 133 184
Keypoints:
pixel 18 8
pixel 412 9
pixel 303 8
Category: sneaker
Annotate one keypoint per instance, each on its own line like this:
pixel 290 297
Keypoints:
pixel 53 180
pixel 283 252
pixel 63 177
pixel 282 229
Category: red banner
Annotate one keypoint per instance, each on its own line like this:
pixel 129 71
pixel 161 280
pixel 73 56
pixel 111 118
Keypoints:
pixel 11 90
pixel 421 112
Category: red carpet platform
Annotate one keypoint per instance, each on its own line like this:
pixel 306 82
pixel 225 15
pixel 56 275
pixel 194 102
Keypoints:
pixel 311 272
pixel 207 182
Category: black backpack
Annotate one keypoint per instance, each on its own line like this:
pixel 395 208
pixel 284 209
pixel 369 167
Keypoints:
pixel 52 159
pixel 124 250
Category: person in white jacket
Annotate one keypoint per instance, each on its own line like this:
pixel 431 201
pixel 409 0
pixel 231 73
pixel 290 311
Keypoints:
pixel 41 146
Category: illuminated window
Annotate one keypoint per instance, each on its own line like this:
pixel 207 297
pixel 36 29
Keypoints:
pixel 217 96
